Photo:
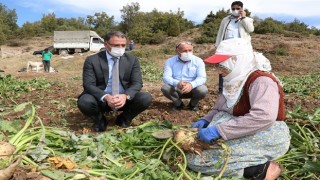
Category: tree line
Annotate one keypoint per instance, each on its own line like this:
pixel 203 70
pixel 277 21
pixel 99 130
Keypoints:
pixel 144 27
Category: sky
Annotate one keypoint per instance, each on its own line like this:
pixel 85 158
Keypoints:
pixel 306 11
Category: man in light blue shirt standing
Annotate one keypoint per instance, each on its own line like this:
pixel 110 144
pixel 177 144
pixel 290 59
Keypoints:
pixel 184 77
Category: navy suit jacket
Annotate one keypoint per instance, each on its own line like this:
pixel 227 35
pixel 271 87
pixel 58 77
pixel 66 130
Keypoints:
pixel 96 74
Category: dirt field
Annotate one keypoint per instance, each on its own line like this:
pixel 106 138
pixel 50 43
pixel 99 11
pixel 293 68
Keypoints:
pixel 58 107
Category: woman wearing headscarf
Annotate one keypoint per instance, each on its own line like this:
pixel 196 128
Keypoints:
pixel 249 115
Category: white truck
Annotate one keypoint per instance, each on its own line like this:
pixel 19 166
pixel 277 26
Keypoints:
pixel 68 42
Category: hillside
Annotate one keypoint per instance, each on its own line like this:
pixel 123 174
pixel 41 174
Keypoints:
pixel 295 55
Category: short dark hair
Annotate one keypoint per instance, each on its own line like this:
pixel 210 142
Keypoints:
pixel 239 3
pixel 111 34
pixel 46 49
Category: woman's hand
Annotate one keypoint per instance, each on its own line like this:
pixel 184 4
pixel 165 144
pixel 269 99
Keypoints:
pixel 201 123
pixel 208 134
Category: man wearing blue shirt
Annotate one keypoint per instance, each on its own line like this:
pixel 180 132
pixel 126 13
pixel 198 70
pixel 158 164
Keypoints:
pixel 184 77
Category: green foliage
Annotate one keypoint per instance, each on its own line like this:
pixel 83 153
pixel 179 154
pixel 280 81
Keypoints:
pixel 269 25
pixel 8 23
pixel 30 29
pixel 150 71
pixel 128 13
pixel 297 26
pixel 210 27
pixel 158 37
pixel 315 31
pixel 281 51
pixel 49 22
pixel 16 43
pixel 173 27
pixel 13 88
pixel 306 85
pixel 152 27
pixel 302 159
pixel 3 37
pixel 100 22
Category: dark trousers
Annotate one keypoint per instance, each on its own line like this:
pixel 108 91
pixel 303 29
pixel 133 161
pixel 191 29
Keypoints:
pixel 256 172
pixel 46 65
pixel 92 107
pixel 220 84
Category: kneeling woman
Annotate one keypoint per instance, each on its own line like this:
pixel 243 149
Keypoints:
pixel 249 116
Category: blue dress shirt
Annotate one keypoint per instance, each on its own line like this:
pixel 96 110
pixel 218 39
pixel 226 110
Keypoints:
pixel 192 71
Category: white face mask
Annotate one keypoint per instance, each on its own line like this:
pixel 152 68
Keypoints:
pixel 186 56
pixel 236 13
pixel 117 52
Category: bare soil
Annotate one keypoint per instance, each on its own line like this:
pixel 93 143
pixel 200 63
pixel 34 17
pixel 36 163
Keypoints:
pixel 57 107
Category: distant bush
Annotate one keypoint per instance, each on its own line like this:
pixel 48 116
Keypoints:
pixel 205 39
pixel 281 52
pixel 168 50
pixel 281 49
pixel 28 49
pixel 269 25
pixel 297 26
pixel 16 43
pixel 158 38
pixel 145 53
pixel 173 27
pixel 210 27
pixel 3 38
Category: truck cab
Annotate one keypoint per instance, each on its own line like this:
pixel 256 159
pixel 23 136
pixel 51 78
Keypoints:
pixel 96 44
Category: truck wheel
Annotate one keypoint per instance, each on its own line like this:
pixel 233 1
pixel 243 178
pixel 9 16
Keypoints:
pixel 63 52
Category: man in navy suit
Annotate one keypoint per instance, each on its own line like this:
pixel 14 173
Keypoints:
pixel 98 96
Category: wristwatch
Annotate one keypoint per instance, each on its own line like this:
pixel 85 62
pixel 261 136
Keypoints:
pixel 128 96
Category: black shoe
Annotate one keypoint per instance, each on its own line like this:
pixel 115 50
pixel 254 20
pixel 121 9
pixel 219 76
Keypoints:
pixel 177 108
pixel 122 122
pixel 100 123
pixel 193 108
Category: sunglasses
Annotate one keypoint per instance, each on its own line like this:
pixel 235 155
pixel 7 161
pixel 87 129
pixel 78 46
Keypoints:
pixel 182 43
pixel 235 9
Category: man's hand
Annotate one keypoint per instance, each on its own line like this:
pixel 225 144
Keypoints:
pixel 116 101
pixel 243 13
pixel 181 84
pixel 186 88
pixel 120 100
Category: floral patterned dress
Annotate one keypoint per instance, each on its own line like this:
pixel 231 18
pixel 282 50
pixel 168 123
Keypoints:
pixel 245 152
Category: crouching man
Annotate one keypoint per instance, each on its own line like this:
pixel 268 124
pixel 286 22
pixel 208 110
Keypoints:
pixel 112 82
pixel 184 77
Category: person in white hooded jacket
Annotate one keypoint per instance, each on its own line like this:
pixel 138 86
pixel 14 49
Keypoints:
pixel 236 25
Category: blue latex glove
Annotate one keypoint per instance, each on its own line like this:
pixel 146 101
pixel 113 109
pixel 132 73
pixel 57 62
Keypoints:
pixel 202 123
pixel 208 134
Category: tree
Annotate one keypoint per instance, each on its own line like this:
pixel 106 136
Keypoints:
pixel 49 22
pixel 269 25
pixel 173 27
pixel 210 26
pixel 128 13
pixel 30 29
pixel 297 26
pixel 8 23
pixel 100 22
